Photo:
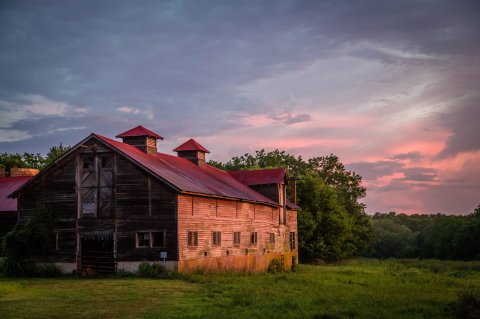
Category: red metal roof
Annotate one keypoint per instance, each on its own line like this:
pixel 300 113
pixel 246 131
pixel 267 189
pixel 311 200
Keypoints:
pixel 191 145
pixel 188 177
pixel 7 186
pixel 292 205
pixel 139 131
pixel 260 177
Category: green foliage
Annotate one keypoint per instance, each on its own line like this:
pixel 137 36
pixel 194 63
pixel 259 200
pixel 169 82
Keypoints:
pixel 10 267
pixel 276 265
pixel 338 193
pixel 351 289
pixel 426 236
pixel 324 225
pixel 26 241
pixel 31 160
pixel 156 270
pixel 54 153
pixel 391 239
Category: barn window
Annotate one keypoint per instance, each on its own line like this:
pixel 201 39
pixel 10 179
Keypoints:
pixel 150 239
pixel 236 238
pixel 96 187
pixel 143 239
pixel 192 238
pixel 216 238
pixel 253 238
pixel 292 241
pixel 272 238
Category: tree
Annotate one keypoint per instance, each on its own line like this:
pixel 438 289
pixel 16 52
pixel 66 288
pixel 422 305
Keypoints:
pixel 54 153
pixel 345 184
pixel 30 160
pixel 324 226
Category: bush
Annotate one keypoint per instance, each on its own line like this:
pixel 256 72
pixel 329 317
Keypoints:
pixel 27 240
pixel 10 267
pixel 276 265
pixel 156 270
pixel 467 306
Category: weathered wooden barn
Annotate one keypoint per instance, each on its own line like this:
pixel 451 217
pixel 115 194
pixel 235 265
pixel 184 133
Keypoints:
pixel 118 204
pixel 8 206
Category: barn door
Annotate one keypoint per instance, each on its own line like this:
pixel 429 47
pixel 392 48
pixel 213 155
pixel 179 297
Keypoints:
pixel 97 255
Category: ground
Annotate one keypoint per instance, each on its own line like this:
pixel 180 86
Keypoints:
pixel 354 289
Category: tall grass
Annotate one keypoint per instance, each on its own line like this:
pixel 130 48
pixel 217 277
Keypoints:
pixel 354 289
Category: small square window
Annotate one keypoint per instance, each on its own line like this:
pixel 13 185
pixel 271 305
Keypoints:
pixel 216 238
pixel 292 241
pixel 272 238
pixel 192 238
pixel 236 238
pixel 253 238
pixel 143 239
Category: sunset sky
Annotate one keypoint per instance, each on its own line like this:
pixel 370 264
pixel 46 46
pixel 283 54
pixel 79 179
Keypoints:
pixel 391 87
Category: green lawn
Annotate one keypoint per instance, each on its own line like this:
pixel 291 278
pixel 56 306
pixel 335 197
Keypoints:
pixel 355 289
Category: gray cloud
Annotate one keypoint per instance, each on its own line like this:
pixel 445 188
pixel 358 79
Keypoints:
pixel 408 156
pixel 185 64
pixel 373 170
pixel 463 123
pixel 293 118
pixel 419 174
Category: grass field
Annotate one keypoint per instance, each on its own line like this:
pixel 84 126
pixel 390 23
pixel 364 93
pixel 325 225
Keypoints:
pixel 354 289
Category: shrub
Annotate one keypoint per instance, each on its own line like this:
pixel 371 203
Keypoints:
pixel 11 267
pixel 157 270
pixel 27 240
pixel 276 265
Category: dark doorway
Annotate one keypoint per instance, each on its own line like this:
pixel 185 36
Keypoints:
pixel 96 256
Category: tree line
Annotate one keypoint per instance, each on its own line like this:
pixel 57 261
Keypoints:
pixel 31 160
pixel 332 223
pixel 425 236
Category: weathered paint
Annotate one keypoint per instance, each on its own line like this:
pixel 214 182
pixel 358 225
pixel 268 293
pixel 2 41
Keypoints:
pixel 206 215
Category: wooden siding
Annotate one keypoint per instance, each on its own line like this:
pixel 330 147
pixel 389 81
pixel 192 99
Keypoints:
pixel 206 215
pixel 55 190
pixel 143 204
pixel 140 203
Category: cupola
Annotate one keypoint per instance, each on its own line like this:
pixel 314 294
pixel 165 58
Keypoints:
pixel 192 151
pixel 142 138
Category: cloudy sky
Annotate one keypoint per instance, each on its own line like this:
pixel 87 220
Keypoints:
pixel 391 87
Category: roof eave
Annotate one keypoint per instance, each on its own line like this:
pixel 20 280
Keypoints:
pixel 230 198
pixel 55 162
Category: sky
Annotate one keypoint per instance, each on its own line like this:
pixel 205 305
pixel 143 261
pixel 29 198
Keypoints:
pixel 390 87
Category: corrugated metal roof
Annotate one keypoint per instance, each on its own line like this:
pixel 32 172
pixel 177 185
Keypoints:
pixel 7 186
pixel 191 145
pixel 292 205
pixel 188 177
pixel 139 131
pixel 260 177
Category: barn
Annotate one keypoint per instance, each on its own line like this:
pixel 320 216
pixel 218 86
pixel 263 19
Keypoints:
pixel 8 206
pixel 120 203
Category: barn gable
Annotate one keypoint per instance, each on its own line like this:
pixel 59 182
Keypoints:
pixel 125 203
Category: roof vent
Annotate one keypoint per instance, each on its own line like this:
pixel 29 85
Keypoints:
pixel 142 138
pixel 192 151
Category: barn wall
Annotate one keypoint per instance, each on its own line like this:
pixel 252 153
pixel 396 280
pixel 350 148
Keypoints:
pixel 55 190
pixel 206 215
pixel 143 204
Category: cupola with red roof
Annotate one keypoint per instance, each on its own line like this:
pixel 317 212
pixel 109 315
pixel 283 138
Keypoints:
pixel 192 151
pixel 142 138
